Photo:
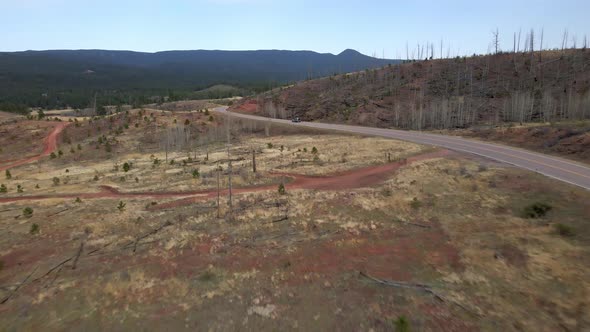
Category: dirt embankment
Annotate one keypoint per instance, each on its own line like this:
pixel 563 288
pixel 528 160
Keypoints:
pixel 566 140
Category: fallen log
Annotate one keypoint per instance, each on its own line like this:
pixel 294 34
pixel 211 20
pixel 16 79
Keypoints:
pixel 18 287
pixel 426 288
pixel 61 211
pixel 150 233
pixel 53 269
pixel 78 255
pixel 413 224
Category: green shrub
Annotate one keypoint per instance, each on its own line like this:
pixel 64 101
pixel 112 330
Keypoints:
pixel 52 155
pixel 95 178
pixel 27 212
pixel 19 188
pixel 282 189
pixel 536 210
pixel 195 173
pixel 207 276
pixel 126 167
pixel 121 206
pixel 55 181
pixel 8 175
pixel 3 188
pixel 34 229
pixel 564 230
pixel 60 153
pixel 269 145
pixel 314 150
pixel 401 324
pixel 78 200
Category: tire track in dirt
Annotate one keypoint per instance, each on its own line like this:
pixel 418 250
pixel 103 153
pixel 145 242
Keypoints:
pixel 352 179
pixel 49 146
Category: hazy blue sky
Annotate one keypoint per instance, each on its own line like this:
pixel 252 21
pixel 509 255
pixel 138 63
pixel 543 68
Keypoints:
pixel 370 26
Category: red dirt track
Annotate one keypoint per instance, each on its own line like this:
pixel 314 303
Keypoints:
pixel 49 145
pixel 358 178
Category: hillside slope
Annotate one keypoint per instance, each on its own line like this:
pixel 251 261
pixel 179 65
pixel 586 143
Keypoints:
pixel 447 93
pixel 71 78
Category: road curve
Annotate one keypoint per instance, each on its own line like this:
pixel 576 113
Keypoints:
pixel 49 145
pixel 554 167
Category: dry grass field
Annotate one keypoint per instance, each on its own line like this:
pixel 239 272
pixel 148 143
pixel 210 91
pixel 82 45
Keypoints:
pixel 115 233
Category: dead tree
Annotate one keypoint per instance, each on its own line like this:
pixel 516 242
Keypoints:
pixel 218 193
pixel 254 160
pixel 229 166
pixel 518 44
pixel 496 40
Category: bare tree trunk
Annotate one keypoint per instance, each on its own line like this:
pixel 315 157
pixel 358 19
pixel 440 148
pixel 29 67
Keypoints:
pixel 514 45
pixel 496 40
pixel 218 193
pixel 229 166
pixel 230 193
pixel 407 52
pixel 518 44
pixel 166 147
pixel 254 160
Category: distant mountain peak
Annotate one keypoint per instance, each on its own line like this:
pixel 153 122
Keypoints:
pixel 350 52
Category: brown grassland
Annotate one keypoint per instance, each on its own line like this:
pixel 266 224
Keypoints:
pixel 366 231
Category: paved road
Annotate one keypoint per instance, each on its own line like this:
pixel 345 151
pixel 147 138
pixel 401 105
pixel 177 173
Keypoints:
pixel 557 168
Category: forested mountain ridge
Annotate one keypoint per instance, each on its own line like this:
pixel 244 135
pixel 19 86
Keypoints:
pixel 62 78
pixel 443 93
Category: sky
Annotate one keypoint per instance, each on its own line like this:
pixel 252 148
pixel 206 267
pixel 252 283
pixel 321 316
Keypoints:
pixel 373 27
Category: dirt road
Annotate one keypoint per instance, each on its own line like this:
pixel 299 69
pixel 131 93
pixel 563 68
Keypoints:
pixel 49 145
pixel 557 168
pixel 357 178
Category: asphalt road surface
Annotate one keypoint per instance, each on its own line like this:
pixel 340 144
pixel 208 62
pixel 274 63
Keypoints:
pixel 555 167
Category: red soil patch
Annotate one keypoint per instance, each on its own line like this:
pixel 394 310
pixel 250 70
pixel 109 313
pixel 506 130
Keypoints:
pixel 388 254
pixel 49 146
pixel 364 177
pixel 250 106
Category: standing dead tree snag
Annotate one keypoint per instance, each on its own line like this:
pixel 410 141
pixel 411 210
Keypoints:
pixel 496 40
pixel 218 192
pixel 229 170
pixel 254 160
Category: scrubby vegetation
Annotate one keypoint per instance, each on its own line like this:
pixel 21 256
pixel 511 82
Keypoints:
pixel 536 210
